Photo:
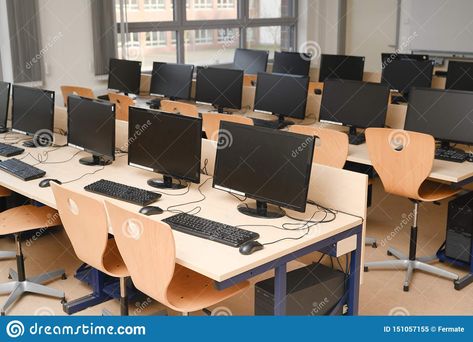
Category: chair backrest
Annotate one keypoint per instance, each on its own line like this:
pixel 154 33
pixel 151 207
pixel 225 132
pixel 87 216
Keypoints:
pixel 148 250
pixel 331 148
pixel 85 220
pixel 122 103
pixel 182 108
pixel 211 123
pixel 81 91
pixel 4 192
pixel 402 159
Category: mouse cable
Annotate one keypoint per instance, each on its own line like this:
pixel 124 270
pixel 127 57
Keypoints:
pixel 204 168
pixel 335 211
pixel 85 174
pixel 198 208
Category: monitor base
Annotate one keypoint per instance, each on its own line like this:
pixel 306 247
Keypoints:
pixel 166 183
pixel 3 130
pixel 261 210
pixel 355 138
pixel 95 161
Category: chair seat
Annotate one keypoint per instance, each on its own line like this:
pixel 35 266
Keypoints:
pixel 4 192
pixel 190 291
pixel 432 191
pixel 27 217
pixel 113 261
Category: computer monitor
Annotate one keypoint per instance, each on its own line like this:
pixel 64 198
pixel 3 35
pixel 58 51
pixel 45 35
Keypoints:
pixel 33 114
pixel 166 143
pixel 355 104
pixel 282 95
pixel 273 169
pixel 388 57
pixel 91 128
pixel 460 76
pixel 4 103
pixel 294 63
pixel 402 75
pixel 124 76
pixel 445 114
pixel 341 67
pixel 172 80
pixel 250 61
pixel 222 88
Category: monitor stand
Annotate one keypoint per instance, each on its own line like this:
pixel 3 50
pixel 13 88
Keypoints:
pixel 3 130
pixel 33 143
pixel 445 146
pixel 95 161
pixel 283 123
pixel 166 183
pixel 355 138
pixel 221 110
pixel 261 210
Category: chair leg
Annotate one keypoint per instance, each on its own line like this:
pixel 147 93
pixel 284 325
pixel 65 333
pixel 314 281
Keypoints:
pixel 123 297
pixel 12 274
pixel 7 255
pixel 14 295
pixel 369 241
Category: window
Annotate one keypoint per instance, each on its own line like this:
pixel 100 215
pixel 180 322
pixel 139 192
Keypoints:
pixel 131 39
pixel 205 10
pixel 213 52
pixel 203 37
pixel 227 35
pixel 225 3
pixel 203 4
pixel 132 5
pixel 264 9
pixel 271 38
pixel 156 39
pixel 154 5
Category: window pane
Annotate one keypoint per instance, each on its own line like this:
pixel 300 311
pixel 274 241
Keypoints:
pixel 272 38
pixel 146 10
pixel 270 8
pixel 211 9
pixel 149 47
pixel 209 47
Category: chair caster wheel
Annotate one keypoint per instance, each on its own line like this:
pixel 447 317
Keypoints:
pixel 64 276
pixel 389 253
pixel 374 245
pixel 9 276
pixel 366 269
pixel 406 288
pixel 63 301
pixel 3 313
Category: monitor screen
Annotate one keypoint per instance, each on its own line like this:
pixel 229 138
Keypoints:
pixel 272 168
pixel 280 94
pixel 447 115
pixel 91 125
pixel 354 103
pixel 166 143
pixel 460 76
pixel 341 67
pixel 172 80
pixel 295 63
pixel 4 102
pixel 250 61
pixel 124 76
pixel 387 57
pixel 220 87
pixel 401 75
pixel 32 110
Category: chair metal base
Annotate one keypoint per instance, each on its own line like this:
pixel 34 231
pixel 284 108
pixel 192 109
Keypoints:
pixel 7 255
pixel 369 241
pixel 34 285
pixel 404 263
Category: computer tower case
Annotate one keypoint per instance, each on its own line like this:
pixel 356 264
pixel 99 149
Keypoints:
pixel 312 290
pixel 460 228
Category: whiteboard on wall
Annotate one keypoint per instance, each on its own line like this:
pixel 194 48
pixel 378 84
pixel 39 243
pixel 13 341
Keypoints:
pixel 439 25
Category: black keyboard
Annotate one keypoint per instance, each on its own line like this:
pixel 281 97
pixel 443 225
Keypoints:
pixel 123 192
pixel 10 150
pixel 452 155
pixel 210 230
pixel 267 123
pixel 21 170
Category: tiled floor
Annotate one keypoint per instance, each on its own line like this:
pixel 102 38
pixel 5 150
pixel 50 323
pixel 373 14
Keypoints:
pixel 381 292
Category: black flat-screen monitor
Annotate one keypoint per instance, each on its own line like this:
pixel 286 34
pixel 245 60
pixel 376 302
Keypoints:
pixel 272 169
pixel 402 75
pixel 294 63
pixel 91 127
pixel 166 143
pixel 356 104
pixel 33 114
pixel 4 103
pixel 124 76
pixel 219 87
pixel 460 76
pixel 172 80
pixel 283 95
pixel 341 67
pixel 387 57
pixel 250 61
pixel 447 115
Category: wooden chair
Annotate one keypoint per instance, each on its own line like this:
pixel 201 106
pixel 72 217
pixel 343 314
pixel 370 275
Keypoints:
pixel 16 221
pixel 403 161
pixel 331 148
pixel 179 107
pixel 249 80
pixel 151 259
pixel 211 123
pixel 122 103
pixel 85 221
pixel 313 86
pixel 81 91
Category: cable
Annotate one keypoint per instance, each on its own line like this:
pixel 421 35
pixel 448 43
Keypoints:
pixel 198 208
pixel 204 168
pixel 85 174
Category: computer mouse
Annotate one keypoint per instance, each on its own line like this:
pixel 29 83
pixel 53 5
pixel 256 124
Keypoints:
pixel 46 183
pixel 250 247
pixel 470 157
pixel 151 210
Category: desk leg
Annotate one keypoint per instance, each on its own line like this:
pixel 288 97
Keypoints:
pixel 280 290
pixel 354 279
